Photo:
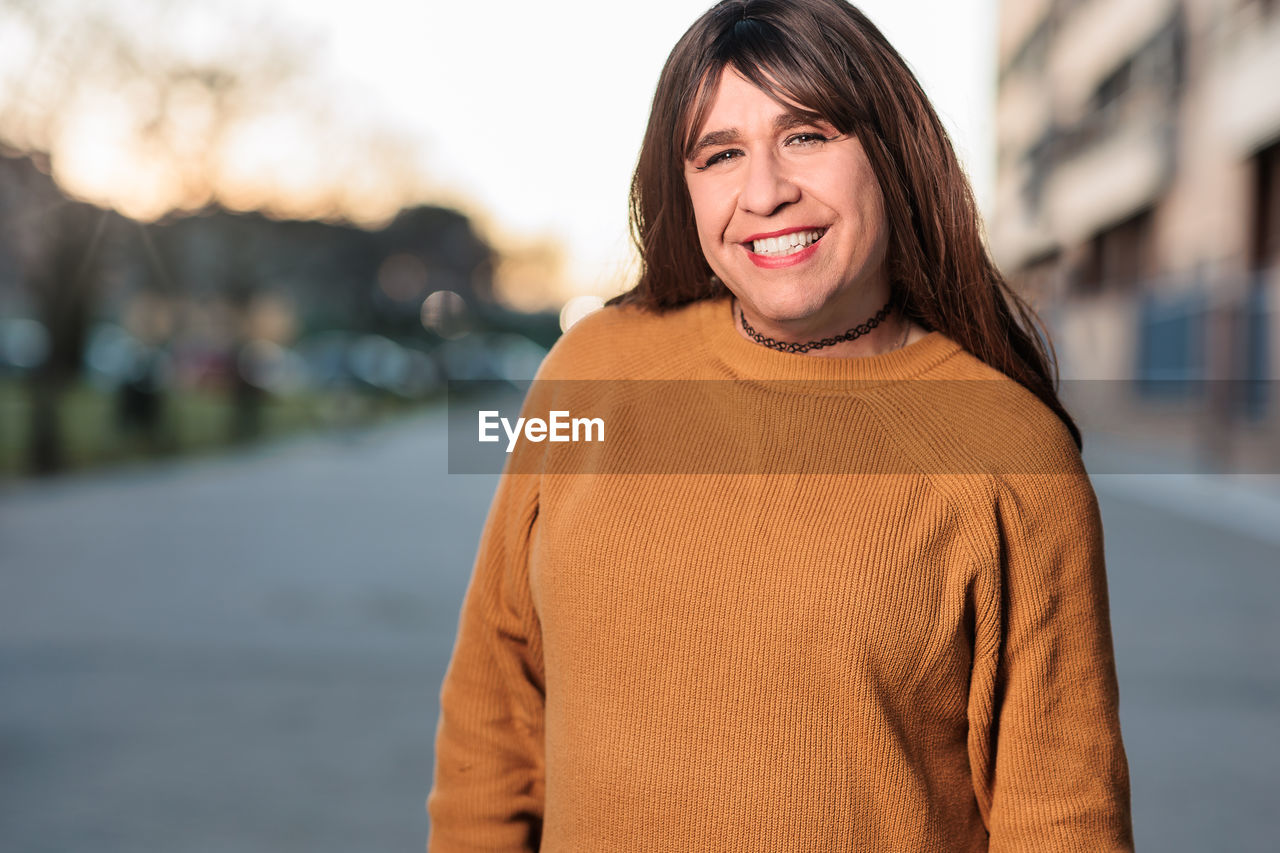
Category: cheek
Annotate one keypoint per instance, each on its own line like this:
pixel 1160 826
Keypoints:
pixel 882 222
pixel 873 217
pixel 709 213
pixel 860 189
pixel 869 202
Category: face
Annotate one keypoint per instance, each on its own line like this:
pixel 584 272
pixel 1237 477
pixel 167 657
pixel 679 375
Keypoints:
pixel 789 213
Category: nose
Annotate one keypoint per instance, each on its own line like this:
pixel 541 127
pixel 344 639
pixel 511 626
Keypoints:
pixel 766 186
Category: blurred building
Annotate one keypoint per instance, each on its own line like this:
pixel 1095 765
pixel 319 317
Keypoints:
pixel 1138 190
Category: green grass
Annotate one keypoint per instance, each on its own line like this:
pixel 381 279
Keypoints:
pixel 191 422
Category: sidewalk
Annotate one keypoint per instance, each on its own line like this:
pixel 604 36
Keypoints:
pixel 1163 477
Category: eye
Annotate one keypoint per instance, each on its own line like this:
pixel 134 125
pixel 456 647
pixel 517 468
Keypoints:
pixel 807 139
pixel 719 157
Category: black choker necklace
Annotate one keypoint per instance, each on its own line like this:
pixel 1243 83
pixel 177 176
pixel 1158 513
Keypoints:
pixel 790 346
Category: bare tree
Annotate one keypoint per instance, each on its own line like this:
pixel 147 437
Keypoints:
pixel 64 57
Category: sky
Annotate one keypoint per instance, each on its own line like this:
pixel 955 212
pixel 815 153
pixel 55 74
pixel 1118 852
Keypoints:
pixel 534 111
pixel 526 115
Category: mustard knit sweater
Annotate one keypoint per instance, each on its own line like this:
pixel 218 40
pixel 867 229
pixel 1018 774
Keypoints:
pixel 886 630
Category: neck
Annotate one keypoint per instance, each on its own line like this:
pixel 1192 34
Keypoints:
pixel 882 330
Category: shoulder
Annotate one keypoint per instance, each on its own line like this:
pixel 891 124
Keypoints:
pixel 1003 459
pixel 964 416
pixel 624 342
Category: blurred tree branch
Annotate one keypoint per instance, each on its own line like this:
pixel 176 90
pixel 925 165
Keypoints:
pixel 65 59
pixel 176 96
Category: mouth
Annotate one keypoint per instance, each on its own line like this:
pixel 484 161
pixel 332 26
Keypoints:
pixel 782 245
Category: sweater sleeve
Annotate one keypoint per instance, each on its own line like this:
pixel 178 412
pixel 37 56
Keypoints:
pixel 489 763
pixel 1049 768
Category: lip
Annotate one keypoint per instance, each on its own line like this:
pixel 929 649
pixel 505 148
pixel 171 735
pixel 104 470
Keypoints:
pixel 769 234
pixel 773 262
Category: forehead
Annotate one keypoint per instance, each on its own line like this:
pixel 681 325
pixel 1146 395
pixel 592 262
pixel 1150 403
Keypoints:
pixel 735 94
pixel 728 95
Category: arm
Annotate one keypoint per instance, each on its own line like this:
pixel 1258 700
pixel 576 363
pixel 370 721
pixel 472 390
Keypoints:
pixel 488 791
pixel 1049 768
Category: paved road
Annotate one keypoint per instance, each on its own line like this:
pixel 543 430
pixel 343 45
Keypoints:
pixel 1195 611
pixel 244 654
pixel 233 655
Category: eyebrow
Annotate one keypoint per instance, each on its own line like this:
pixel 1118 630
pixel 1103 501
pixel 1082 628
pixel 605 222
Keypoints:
pixel 784 121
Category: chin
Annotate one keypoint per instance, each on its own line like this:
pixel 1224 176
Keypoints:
pixel 787 307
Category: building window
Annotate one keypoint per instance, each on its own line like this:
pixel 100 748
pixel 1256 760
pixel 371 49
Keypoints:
pixel 1036 280
pixel 1265 7
pixel 1265 242
pixel 1114 86
pixel 1158 65
pixel 1119 257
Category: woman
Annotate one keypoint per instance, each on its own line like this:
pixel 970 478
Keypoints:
pixel 900 641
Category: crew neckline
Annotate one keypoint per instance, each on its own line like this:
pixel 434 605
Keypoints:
pixel 753 361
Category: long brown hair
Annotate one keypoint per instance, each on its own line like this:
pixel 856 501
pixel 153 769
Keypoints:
pixel 827 56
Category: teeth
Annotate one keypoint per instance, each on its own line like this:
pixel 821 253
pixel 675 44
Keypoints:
pixel 787 244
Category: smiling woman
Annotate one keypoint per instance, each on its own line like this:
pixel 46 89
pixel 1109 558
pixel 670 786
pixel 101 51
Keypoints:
pixel 826 63
pixel 860 603
pixel 789 215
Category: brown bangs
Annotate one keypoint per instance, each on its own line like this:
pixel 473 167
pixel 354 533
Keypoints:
pixel 784 68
